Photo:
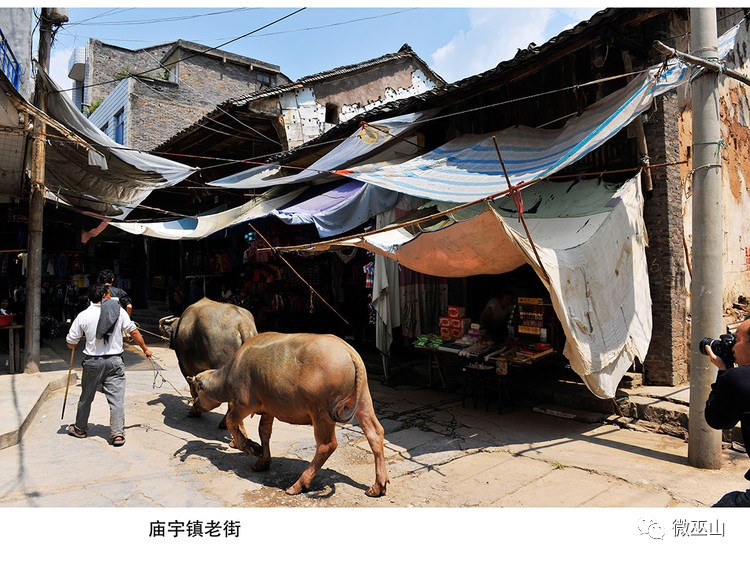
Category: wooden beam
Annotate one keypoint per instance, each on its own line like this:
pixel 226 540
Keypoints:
pixel 697 61
pixel 640 134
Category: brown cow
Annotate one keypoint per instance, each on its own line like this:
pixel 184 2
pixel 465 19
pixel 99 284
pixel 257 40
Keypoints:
pixel 298 378
pixel 206 335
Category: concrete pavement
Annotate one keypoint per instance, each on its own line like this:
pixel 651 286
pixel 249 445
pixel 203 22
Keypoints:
pixel 439 453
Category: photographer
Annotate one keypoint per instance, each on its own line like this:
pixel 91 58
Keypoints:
pixel 729 400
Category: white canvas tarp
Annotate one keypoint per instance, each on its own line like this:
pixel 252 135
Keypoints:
pixel 598 282
pixel 201 226
pixel 111 182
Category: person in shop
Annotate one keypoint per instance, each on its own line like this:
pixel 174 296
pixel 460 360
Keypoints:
pixel 175 299
pixel 103 368
pixel 195 292
pixel 107 278
pixel 729 400
pixel 18 305
pixel 226 293
pixel 495 316
pixel 5 307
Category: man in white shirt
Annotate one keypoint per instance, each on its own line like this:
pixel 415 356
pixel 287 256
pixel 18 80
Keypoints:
pixel 103 367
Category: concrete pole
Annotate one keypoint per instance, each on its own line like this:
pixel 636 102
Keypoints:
pixel 707 289
pixel 36 209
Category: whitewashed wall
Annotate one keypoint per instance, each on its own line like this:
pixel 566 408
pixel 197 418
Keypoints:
pixel 304 117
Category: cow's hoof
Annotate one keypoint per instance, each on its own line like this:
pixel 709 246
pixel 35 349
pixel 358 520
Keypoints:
pixel 253 448
pixel 376 490
pixel 295 489
pixel 261 465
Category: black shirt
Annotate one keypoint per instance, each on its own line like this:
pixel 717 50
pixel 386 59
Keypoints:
pixel 729 398
pixel 119 294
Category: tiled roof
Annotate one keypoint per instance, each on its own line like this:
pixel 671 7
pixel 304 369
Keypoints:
pixel 216 53
pixel 405 52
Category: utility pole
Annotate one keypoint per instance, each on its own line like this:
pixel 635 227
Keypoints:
pixel 48 18
pixel 707 288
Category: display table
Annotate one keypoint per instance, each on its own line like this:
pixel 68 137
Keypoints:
pixel 483 378
pixel 436 354
pixel 14 347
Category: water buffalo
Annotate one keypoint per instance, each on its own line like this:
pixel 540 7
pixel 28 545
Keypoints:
pixel 205 336
pixel 298 378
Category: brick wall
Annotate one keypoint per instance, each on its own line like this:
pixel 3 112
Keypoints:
pixel 158 110
pixel 106 64
pixel 207 80
pixel 666 362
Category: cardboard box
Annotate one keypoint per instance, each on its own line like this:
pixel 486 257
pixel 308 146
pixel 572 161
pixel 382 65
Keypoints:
pixel 456 333
pixel 458 322
pixel 445 332
pixel 444 321
pixel 456 311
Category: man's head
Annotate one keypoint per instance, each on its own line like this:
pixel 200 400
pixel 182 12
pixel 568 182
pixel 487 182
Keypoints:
pixel 97 292
pixel 106 277
pixel 742 344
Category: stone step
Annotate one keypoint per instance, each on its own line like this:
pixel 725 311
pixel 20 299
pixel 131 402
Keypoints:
pixel 665 416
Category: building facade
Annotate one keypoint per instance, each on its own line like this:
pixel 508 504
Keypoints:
pixel 140 98
pixel 281 118
pixel 16 38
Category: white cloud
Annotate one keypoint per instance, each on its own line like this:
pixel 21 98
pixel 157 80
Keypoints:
pixel 495 35
pixel 58 68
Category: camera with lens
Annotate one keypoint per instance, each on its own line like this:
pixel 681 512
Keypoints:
pixel 723 347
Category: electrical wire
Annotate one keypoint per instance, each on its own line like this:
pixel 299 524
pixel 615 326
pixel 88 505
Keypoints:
pixel 203 52
pixel 159 20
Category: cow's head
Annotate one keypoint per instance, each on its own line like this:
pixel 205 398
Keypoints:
pixel 168 327
pixel 199 382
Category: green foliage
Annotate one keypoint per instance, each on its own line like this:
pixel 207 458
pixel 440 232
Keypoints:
pixel 92 107
pixel 124 73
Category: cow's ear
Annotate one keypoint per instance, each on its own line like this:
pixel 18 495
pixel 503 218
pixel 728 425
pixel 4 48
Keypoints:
pixel 190 380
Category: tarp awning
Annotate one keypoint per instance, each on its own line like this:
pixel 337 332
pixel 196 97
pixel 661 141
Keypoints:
pixel 340 209
pixel 333 211
pixel 365 141
pixel 204 225
pixel 468 168
pixel 110 182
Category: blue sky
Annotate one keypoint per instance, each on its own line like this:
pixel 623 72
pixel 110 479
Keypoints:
pixel 455 42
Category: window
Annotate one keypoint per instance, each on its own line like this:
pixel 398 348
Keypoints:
pixel 264 81
pixel 120 127
pixel 105 129
pixel 172 74
pixel 332 113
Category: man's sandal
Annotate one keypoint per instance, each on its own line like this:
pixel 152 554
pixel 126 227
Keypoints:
pixel 117 440
pixel 75 431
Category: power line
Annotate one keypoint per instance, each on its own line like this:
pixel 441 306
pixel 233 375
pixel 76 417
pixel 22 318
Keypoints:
pixel 260 134
pixel 144 73
pixel 158 20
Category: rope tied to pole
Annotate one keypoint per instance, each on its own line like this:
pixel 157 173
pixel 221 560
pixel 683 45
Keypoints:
pixel 515 193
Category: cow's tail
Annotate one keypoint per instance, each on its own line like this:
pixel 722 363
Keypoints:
pixel 340 411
